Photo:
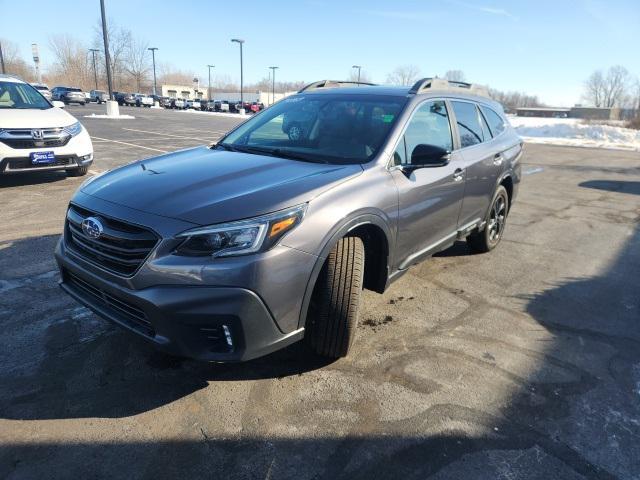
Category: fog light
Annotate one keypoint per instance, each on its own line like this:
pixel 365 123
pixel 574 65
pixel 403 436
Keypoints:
pixel 227 335
pixel 87 157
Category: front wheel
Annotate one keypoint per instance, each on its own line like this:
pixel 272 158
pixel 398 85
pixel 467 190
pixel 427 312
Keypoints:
pixel 78 172
pixel 335 302
pixel 490 237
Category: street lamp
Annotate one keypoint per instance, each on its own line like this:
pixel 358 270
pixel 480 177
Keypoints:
pixel 239 41
pixel 273 84
pixel 95 70
pixel 209 84
pixel 1 60
pixel 106 50
pixel 153 55
pixel 358 67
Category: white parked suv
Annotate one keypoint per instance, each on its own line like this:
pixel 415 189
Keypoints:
pixel 195 104
pixel 143 100
pixel 35 135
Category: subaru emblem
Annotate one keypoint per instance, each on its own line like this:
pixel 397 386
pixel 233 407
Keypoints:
pixel 92 227
pixel 37 134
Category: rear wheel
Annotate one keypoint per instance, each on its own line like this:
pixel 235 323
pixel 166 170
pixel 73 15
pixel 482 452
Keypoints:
pixel 78 172
pixel 333 312
pixel 490 237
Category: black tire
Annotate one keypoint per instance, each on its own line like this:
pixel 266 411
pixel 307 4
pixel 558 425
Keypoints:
pixel 78 172
pixel 335 302
pixel 496 219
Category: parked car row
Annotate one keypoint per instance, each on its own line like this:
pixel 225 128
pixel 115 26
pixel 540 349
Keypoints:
pixel 70 95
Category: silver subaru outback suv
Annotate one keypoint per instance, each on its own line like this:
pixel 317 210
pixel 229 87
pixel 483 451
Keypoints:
pixel 231 251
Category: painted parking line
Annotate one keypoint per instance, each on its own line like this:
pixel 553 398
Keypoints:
pixel 168 134
pixel 132 145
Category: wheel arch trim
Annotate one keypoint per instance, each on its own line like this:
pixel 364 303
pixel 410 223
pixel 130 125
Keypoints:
pixel 348 224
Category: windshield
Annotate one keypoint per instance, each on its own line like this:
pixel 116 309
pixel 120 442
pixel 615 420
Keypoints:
pixel 21 96
pixel 326 128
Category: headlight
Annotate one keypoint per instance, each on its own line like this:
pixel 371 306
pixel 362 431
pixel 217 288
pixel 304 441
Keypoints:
pixel 242 237
pixel 74 129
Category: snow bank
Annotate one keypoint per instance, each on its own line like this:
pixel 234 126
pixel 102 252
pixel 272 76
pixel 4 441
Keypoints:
pixel 571 131
pixel 110 117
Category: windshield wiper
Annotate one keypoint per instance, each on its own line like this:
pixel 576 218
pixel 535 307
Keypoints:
pixel 227 147
pixel 273 152
pixel 280 153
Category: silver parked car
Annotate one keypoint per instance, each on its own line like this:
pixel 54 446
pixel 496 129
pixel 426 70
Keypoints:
pixel 231 251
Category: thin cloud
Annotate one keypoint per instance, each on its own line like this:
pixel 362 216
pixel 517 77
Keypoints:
pixel 397 14
pixel 486 9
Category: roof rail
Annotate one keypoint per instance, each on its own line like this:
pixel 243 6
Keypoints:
pixel 332 84
pixel 427 84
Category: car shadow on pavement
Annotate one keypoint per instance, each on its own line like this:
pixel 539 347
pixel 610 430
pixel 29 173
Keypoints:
pixel 556 423
pixel 31 178
pixel 621 186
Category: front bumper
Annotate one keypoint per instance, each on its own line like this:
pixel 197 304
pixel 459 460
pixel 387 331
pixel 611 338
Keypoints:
pixel 78 152
pixel 222 324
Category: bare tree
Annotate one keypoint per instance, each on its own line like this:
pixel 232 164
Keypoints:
pixel 455 76
pixel 595 88
pixel 617 85
pixel 610 89
pixel 72 65
pixel 119 45
pixel 137 62
pixel 14 63
pixel 404 75
pixel 513 100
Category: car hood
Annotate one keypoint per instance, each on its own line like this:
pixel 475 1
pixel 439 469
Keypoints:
pixel 33 118
pixel 205 186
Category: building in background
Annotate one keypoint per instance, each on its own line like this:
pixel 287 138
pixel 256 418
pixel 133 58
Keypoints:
pixel 587 113
pixel 189 92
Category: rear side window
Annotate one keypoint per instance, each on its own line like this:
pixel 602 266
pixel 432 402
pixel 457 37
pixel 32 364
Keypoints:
pixel 495 121
pixel 468 124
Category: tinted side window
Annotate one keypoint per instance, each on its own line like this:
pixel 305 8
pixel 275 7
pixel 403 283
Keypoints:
pixel 468 123
pixel 485 128
pixel 429 125
pixel 496 123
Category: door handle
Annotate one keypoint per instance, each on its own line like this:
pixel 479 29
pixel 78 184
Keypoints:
pixel 458 174
pixel 497 159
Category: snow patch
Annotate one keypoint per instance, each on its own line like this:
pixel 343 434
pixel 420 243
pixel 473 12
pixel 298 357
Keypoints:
pixel 573 132
pixel 216 114
pixel 111 117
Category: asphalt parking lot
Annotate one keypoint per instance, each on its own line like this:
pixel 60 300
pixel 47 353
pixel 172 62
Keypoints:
pixel 519 364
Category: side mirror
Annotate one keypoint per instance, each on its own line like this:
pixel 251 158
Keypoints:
pixel 57 103
pixel 425 156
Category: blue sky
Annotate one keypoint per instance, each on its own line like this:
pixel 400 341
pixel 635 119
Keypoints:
pixel 542 47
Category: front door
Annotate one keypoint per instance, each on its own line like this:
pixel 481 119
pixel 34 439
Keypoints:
pixel 429 198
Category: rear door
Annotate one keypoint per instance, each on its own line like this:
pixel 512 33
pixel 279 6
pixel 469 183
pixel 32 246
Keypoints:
pixel 429 198
pixel 482 162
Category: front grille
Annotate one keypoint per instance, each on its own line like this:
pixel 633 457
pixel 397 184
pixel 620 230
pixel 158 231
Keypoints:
pixel 21 138
pixel 21 163
pixel 25 143
pixel 125 312
pixel 121 249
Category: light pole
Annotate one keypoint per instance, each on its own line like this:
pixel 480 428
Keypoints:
pixel 239 41
pixel 36 60
pixel 95 70
pixel 105 38
pixel 209 84
pixel 358 67
pixel 273 84
pixel 153 55
pixel 1 59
